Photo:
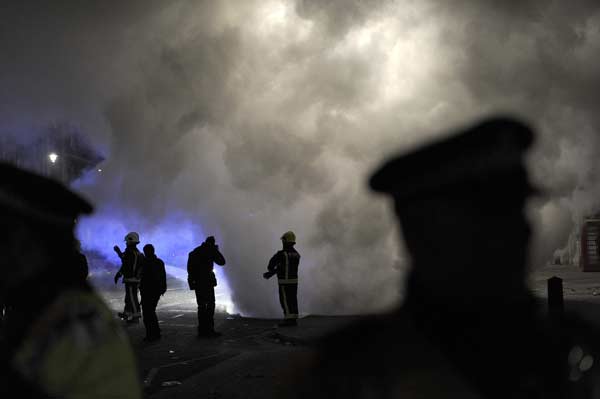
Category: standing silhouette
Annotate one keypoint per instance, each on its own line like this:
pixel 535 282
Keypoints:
pixel 203 281
pixel 153 285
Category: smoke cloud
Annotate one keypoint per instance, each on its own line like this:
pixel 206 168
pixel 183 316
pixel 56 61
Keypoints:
pixel 247 119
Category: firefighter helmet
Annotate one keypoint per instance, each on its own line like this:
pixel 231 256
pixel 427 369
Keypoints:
pixel 132 238
pixel 289 237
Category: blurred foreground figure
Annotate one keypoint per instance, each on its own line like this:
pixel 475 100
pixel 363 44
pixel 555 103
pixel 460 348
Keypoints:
pixel 285 264
pixel 152 286
pixel 203 281
pixel 81 264
pixel 131 271
pixel 58 339
pixel 468 327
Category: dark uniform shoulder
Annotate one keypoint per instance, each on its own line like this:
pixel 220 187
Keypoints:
pixel 365 335
pixel 379 356
pixel 196 250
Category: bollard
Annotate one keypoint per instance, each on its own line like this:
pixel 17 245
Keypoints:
pixel 555 295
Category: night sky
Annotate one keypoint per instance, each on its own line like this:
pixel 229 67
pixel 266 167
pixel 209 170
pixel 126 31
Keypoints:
pixel 244 119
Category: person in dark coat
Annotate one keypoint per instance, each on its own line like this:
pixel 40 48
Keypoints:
pixel 153 285
pixel 202 279
pixel 468 327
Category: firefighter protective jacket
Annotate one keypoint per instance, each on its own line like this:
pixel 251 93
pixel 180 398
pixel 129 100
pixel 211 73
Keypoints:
pixel 154 277
pixel 285 264
pixel 131 265
pixel 201 262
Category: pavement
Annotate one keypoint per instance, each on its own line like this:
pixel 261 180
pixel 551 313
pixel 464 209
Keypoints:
pixel 252 358
pixel 249 360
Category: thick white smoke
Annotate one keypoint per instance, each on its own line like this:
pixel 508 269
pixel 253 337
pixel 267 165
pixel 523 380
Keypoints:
pixel 252 118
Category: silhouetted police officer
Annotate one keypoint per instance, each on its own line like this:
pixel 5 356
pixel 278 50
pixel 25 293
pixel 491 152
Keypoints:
pixel 59 339
pixel 203 281
pixel 468 326
pixel 153 284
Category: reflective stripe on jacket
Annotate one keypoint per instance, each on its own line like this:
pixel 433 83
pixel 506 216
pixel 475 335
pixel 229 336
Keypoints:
pixel 131 265
pixel 285 263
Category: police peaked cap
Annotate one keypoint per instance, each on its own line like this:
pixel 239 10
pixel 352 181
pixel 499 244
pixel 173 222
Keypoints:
pixel 39 198
pixel 492 148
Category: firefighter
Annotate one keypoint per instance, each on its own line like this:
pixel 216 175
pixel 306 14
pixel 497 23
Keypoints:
pixel 131 269
pixel 60 340
pixel 152 286
pixel 285 264
pixel 202 279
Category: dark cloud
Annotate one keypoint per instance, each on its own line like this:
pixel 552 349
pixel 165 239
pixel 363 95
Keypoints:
pixel 336 18
pixel 251 118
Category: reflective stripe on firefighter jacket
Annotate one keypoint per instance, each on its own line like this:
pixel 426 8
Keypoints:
pixel 285 263
pixel 76 350
pixel 131 265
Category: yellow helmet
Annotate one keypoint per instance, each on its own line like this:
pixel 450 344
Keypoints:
pixel 289 237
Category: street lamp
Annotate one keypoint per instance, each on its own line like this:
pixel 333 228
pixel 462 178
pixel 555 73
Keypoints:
pixel 71 166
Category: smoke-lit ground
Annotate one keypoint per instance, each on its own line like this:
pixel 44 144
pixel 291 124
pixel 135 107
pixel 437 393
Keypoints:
pixel 178 297
pixel 251 358
pixel 243 120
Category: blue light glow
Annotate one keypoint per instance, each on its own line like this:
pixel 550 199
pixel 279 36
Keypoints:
pixel 173 238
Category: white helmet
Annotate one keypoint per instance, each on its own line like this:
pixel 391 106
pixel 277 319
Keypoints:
pixel 132 238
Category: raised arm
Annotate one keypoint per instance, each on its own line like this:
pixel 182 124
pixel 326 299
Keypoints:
pixel 118 251
pixel 219 259
pixel 121 256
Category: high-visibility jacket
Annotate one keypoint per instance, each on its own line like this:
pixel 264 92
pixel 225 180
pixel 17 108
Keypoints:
pixel 75 349
pixel 285 264
pixel 131 265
